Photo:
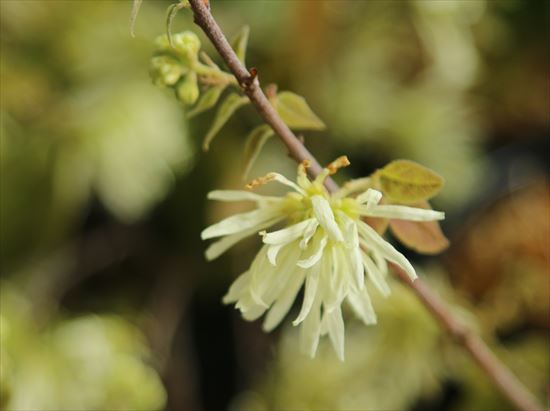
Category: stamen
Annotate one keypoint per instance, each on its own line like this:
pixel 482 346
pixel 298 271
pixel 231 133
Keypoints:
pixel 340 162
pixel 302 179
pixel 260 181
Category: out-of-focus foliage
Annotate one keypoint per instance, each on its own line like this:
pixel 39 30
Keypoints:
pixel 414 107
pixel 510 279
pixel 83 363
pixel 79 117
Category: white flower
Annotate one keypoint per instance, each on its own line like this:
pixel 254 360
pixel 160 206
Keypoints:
pixel 324 245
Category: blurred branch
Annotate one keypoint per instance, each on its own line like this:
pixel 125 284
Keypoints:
pixel 502 377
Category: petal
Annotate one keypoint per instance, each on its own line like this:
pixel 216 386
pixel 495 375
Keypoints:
pixel 286 235
pixel 262 273
pixel 276 279
pixel 239 195
pixel 376 276
pixel 283 180
pixel 239 286
pixel 221 246
pixel 253 313
pixel 357 269
pixel 371 197
pixel 310 330
pixel 354 251
pixel 373 240
pixel 401 213
pixel 335 327
pixel 308 233
pixel 312 280
pixel 316 255
pixel 325 216
pixel 249 309
pixel 380 262
pixel 360 303
pixel 240 222
pixel 335 293
pixel 272 252
pixel 282 305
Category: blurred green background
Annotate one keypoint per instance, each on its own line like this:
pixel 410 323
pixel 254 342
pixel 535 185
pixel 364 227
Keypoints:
pixel 106 299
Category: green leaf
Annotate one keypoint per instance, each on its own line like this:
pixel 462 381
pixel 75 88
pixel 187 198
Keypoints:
pixel 424 237
pixel 133 16
pixel 405 181
pixel 207 101
pixel 254 143
pixel 296 113
pixel 240 42
pixel 231 104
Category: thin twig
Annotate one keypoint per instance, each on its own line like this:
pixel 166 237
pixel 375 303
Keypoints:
pixel 502 377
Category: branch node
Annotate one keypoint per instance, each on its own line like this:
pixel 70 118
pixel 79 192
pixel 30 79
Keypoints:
pixel 248 82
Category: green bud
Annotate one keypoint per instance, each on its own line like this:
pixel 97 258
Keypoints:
pixel 187 44
pixel 186 47
pixel 162 43
pixel 188 89
pixel 165 71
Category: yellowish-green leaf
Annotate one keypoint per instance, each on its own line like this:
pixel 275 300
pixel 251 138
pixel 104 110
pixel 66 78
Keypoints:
pixel 133 16
pixel 296 113
pixel 424 237
pixel 240 43
pixel 254 143
pixel 207 101
pixel 231 104
pixel 405 181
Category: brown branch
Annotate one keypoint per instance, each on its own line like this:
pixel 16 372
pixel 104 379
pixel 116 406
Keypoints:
pixel 502 377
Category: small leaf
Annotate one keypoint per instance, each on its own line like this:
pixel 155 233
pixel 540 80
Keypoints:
pixel 207 101
pixel 231 104
pixel 296 113
pixel 405 181
pixel 240 42
pixel 424 237
pixel 254 143
pixel 133 16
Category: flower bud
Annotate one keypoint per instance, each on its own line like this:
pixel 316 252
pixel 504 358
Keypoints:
pixel 187 44
pixel 162 43
pixel 188 89
pixel 165 71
